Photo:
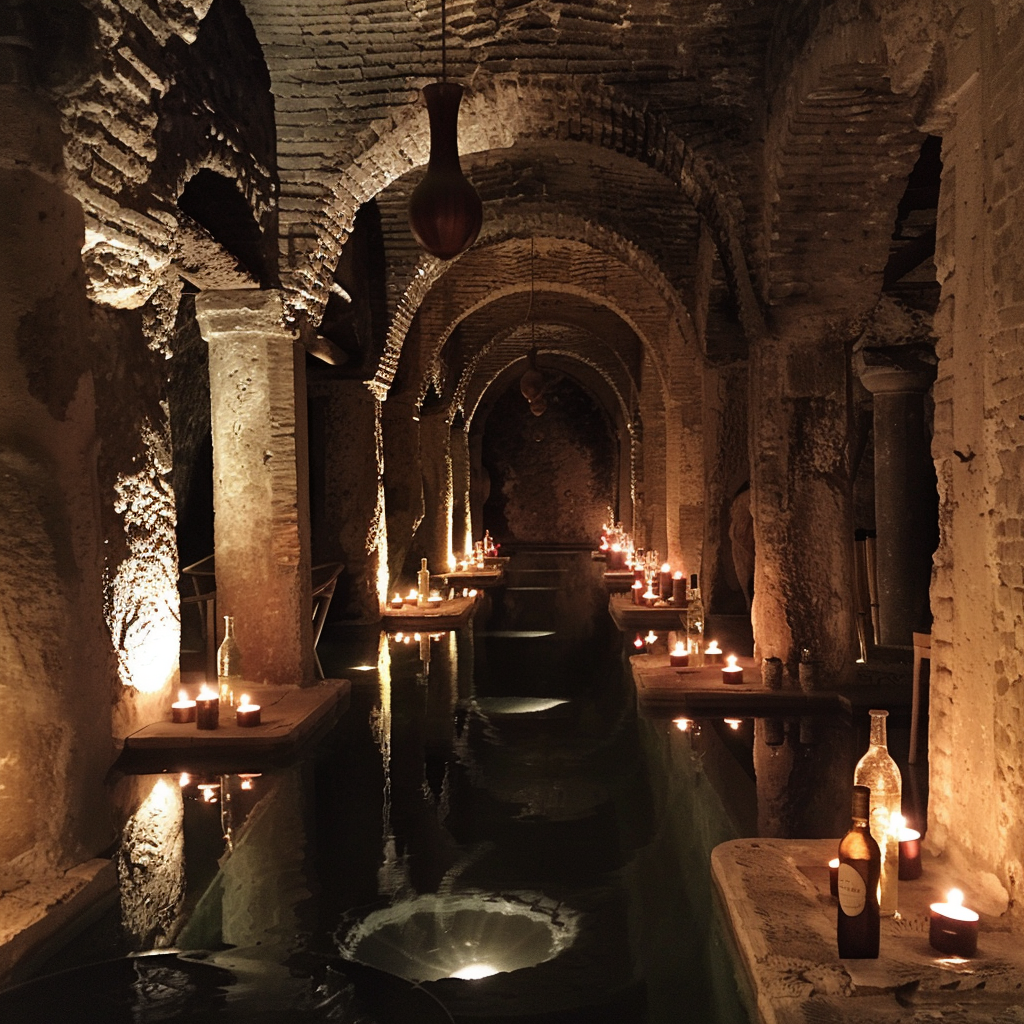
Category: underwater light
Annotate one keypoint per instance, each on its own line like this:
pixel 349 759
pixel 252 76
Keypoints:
pixel 471 972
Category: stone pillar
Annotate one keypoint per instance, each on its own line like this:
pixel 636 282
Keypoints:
pixel 403 488
pixel 435 534
pixel 349 519
pixel 801 501
pixel 260 481
pixel 462 524
pixel 906 501
pixel 58 676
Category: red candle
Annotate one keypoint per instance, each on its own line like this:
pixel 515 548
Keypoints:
pixel 953 929
pixel 910 854
pixel 665 582
pixel 183 710
pixel 732 673
pixel 678 588
pixel 207 709
pixel 833 877
pixel 713 654
pixel 247 714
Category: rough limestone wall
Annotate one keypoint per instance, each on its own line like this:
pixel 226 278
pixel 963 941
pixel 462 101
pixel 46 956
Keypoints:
pixel 976 729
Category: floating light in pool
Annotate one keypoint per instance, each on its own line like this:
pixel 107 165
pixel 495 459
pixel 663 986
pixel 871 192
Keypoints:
pixel 471 972
pixel 466 936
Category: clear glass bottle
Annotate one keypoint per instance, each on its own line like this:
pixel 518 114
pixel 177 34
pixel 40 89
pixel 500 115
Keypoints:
pixel 878 771
pixel 229 662
pixel 423 585
pixel 857 924
pixel 695 624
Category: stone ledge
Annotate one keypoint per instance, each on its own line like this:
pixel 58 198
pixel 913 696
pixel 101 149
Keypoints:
pixel 782 919
pixel 33 915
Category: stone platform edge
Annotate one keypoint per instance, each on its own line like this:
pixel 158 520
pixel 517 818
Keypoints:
pixel 37 916
pixel 782 919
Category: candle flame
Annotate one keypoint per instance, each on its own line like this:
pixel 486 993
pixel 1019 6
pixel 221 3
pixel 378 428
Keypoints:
pixel 834 862
pixel 246 783
pixel 733 723
pixel 184 779
pixel 682 724
pixel 206 693
pixel 245 698
pixel 713 648
pixel 638 642
pixel 182 695
pixel 665 567
pixel 955 898
pixel 731 660
pixel 680 649
pixel 651 637
pixel 897 823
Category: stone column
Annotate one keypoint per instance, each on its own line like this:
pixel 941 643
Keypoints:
pixel 403 488
pixel 58 674
pixel 462 525
pixel 435 533
pixel 260 481
pixel 349 519
pixel 906 501
pixel 801 500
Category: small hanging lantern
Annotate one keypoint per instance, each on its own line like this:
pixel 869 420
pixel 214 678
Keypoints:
pixel 445 212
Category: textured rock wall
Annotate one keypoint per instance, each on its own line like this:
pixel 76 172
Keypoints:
pixel 551 475
pixel 976 741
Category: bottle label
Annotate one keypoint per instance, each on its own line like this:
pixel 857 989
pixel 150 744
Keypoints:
pixel 853 890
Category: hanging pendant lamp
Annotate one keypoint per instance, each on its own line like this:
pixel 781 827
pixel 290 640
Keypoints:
pixel 445 212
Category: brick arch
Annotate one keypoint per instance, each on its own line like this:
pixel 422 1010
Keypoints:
pixel 529 221
pixel 515 344
pixel 499 111
pixel 502 268
pixel 840 147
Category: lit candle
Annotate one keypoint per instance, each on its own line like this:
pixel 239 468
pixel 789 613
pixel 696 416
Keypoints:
pixel 434 599
pixel 247 714
pixel 651 638
pixel 207 708
pixel 679 656
pixel 665 581
pixel 183 709
pixel 953 928
pixel 649 597
pixel 833 876
pixel 678 587
pixel 396 601
pixel 732 673
pixel 638 589
pixel 713 654
pixel 412 597
pixel 638 643
pixel 910 848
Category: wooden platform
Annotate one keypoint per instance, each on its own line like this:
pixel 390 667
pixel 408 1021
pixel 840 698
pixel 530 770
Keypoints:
pixel 629 617
pixel 291 716
pixel 440 615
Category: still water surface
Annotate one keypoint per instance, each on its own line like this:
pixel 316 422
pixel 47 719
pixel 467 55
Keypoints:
pixel 491 832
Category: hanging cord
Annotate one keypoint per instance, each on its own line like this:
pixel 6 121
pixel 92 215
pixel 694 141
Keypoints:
pixel 444 47
pixel 529 309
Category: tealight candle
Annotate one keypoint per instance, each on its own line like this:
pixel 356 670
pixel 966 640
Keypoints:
pixel 247 714
pixel 910 849
pixel 833 877
pixel 713 654
pixel 396 601
pixel 649 597
pixel 953 929
pixel 679 656
pixel 183 710
pixel 412 597
pixel 732 673
pixel 207 708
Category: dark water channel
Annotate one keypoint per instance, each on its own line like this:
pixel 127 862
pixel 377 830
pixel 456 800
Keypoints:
pixel 491 806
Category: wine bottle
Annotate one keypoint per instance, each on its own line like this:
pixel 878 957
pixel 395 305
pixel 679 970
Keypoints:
pixel 857 927
pixel 879 772
pixel 229 663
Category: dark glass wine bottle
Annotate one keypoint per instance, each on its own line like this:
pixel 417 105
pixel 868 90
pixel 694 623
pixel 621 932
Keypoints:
pixel 860 863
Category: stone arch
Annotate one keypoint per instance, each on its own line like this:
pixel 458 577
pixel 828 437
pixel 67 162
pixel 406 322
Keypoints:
pixel 502 110
pixel 529 222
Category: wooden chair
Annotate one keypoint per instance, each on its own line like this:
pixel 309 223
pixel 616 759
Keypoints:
pixel 325 579
pixel 922 652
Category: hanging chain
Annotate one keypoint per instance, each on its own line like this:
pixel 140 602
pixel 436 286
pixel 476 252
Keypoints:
pixel 444 47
